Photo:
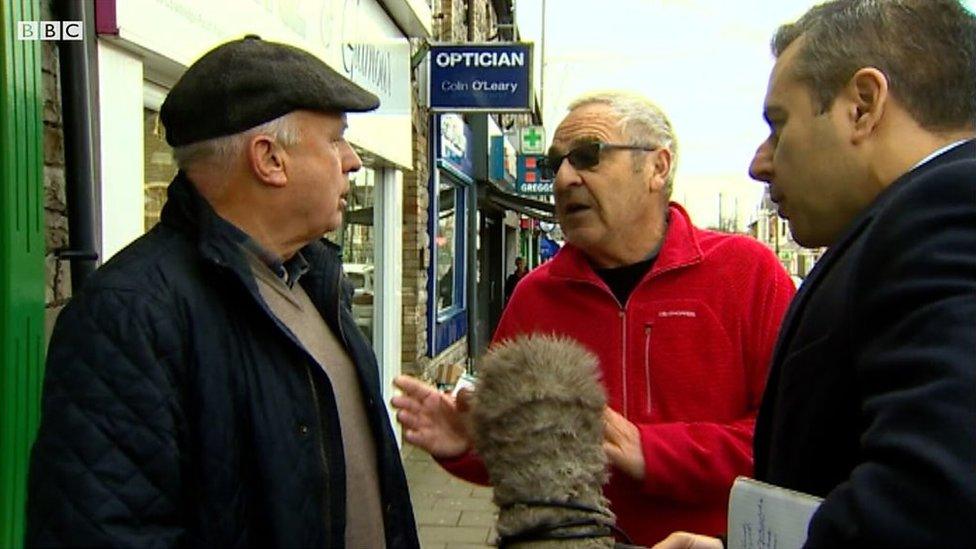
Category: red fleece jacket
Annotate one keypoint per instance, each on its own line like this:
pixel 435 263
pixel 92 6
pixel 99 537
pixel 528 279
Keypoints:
pixel 685 359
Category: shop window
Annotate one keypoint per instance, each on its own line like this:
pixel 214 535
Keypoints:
pixel 357 238
pixel 160 168
pixel 446 246
pixel 446 284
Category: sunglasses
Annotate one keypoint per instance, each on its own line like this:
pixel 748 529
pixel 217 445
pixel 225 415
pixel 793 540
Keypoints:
pixel 582 157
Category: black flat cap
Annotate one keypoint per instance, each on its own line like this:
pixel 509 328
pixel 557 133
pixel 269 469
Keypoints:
pixel 247 82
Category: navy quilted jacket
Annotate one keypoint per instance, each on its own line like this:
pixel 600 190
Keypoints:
pixel 178 411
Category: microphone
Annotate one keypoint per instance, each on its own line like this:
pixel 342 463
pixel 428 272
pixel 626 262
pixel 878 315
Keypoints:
pixel 536 419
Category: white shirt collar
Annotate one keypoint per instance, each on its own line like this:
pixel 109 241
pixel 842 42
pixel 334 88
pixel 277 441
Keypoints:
pixel 940 151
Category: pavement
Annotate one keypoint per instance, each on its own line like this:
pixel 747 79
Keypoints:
pixel 451 513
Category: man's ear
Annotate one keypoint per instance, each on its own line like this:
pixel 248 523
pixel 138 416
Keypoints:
pixel 267 160
pixel 657 166
pixel 867 92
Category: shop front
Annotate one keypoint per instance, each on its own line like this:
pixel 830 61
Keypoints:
pixel 139 60
pixel 448 227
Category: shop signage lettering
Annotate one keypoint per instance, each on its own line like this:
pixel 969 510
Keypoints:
pixel 370 62
pixel 481 77
pixel 480 59
pixel 535 188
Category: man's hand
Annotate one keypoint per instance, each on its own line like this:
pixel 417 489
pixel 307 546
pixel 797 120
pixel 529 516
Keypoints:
pixel 430 419
pixel 684 540
pixel 621 442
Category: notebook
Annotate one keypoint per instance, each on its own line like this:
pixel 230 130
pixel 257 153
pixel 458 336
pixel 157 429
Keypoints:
pixel 764 516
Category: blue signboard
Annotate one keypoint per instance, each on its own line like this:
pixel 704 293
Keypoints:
pixel 455 145
pixel 502 159
pixel 481 77
pixel 529 179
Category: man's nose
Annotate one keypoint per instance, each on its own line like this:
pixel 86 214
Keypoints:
pixel 761 167
pixel 350 160
pixel 566 176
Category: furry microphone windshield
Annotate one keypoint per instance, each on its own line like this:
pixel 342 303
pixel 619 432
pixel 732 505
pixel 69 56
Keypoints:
pixel 537 421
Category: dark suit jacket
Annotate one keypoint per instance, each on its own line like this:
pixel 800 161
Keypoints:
pixel 871 399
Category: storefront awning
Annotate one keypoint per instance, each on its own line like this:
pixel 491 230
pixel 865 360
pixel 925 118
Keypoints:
pixel 537 209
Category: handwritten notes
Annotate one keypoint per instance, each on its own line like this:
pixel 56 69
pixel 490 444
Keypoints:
pixel 763 516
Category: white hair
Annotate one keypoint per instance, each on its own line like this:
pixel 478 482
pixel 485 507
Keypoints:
pixel 222 151
pixel 641 121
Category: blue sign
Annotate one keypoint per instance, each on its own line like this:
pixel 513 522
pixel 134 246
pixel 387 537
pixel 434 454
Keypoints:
pixel 502 159
pixel 529 179
pixel 547 247
pixel 484 77
pixel 455 142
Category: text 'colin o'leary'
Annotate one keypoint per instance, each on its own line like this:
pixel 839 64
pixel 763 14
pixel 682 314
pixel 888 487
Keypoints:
pixel 479 85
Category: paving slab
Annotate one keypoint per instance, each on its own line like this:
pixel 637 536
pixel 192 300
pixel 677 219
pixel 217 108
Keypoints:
pixel 450 513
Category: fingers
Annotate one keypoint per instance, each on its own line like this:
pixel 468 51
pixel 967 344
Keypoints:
pixel 401 402
pixel 613 425
pixel 411 420
pixel 611 416
pixel 415 438
pixel 463 400
pixel 413 387
pixel 684 540
pixel 677 540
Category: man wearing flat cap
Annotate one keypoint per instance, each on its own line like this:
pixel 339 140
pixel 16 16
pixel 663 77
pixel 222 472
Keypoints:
pixel 208 385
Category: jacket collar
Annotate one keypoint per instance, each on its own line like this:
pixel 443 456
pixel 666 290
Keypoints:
pixel 963 151
pixel 680 249
pixel 219 242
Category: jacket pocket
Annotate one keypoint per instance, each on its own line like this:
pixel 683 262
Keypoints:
pixel 648 330
pixel 684 366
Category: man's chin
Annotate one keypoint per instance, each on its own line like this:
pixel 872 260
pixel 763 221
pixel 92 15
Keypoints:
pixel 581 237
pixel 806 237
pixel 332 225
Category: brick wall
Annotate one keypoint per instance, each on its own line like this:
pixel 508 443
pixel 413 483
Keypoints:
pixel 416 248
pixel 58 284
pixel 450 18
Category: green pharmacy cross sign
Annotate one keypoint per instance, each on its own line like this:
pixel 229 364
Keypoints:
pixel 533 140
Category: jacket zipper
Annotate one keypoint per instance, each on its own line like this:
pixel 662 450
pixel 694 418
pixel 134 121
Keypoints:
pixel 321 445
pixel 647 363
pixel 338 317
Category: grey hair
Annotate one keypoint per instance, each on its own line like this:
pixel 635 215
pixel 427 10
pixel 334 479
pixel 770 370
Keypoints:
pixel 222 151
pixel 641 121
pixel 925 48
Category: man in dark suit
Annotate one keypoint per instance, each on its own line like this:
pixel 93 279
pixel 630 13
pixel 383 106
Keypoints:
pixel 871 399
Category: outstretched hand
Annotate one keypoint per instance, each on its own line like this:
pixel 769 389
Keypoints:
pixel 431 419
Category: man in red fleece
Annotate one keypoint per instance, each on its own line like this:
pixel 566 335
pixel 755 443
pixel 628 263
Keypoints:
pixel 683 321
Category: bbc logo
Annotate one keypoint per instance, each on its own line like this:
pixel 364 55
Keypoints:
pixel 50 30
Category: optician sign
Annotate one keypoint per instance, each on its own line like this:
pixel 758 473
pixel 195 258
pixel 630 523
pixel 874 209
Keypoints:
pixel 481 77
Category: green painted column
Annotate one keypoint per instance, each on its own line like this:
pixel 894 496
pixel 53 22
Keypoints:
pixel 21 260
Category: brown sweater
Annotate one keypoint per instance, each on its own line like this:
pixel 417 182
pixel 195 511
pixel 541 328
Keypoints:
pixel 364 515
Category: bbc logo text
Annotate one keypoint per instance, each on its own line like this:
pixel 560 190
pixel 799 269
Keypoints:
pixel 50 30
